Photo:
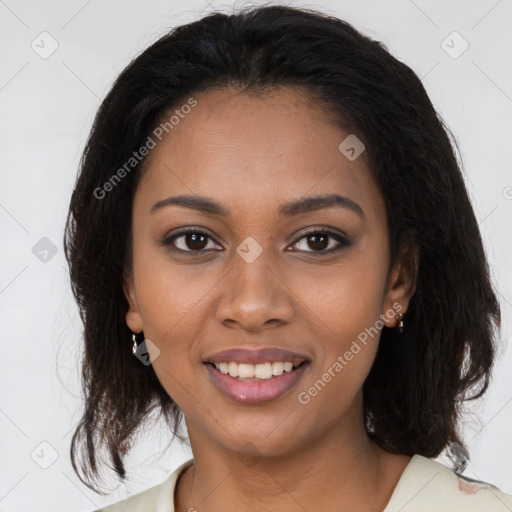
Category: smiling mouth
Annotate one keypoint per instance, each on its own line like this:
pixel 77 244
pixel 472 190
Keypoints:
pixel 254 390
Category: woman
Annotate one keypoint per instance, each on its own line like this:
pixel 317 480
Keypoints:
pixel 270 237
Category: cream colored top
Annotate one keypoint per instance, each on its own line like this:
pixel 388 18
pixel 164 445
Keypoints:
pixel 425 486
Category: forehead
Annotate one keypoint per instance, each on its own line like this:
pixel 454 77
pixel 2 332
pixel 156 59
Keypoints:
pixel 245 149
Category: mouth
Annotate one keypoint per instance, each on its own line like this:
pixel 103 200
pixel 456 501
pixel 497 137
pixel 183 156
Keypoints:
pixel 250 384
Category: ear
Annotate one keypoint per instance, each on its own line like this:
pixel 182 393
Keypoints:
pixel 401 285
pixel 133 317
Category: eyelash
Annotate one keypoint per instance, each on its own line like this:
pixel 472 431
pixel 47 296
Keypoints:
pixel 343 241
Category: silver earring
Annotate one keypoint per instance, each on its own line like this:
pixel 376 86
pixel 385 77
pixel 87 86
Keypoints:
pixel 134 348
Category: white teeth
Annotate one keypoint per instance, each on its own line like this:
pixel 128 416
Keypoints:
pixel 277 368
pixel 233 369
pixel 262 371
pixel 245 371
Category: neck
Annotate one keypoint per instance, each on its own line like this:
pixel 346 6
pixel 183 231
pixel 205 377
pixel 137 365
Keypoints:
pixel 341 470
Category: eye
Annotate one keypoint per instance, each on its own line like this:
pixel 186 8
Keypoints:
pixel 320 239
pixel 189 240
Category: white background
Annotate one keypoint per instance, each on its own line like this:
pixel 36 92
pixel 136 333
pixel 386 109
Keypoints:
pixel 47 106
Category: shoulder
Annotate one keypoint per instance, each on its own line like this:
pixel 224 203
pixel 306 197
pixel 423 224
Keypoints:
pixel 428 485
pixel 157 498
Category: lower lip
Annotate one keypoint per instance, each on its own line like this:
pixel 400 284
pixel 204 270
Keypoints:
pixel 255 392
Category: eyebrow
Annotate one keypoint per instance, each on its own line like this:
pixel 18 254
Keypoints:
pixel 297 207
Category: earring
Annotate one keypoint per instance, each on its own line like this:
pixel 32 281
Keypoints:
pixel 134 338
pixel 400 317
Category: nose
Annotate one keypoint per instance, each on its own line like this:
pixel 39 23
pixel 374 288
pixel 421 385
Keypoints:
pixel 255 296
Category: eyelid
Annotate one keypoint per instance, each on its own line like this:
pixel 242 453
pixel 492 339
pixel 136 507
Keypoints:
pixel 309 230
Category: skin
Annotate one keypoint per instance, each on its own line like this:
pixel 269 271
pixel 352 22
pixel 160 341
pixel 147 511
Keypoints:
pixel 252 154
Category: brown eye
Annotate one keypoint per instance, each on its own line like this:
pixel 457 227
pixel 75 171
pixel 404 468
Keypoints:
pixel 195 241
pixel 319 241
pixel 189 241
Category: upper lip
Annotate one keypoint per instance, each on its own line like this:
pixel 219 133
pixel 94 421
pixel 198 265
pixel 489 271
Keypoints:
pixel 256 356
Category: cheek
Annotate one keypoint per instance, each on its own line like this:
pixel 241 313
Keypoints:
pixel 345 298
pixel 171 296
pixel 345 306
pixel 172 302
pixel 346 357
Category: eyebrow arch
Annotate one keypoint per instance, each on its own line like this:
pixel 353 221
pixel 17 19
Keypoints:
pixel 297 207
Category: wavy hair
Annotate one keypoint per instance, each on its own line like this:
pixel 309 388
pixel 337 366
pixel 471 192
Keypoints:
pixel 413 394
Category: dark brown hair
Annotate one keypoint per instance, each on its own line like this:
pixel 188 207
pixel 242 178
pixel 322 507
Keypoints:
pixel 413 394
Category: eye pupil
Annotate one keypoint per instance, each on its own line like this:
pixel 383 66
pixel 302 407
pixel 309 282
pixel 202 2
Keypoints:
pixel 322 245
pixel 193 237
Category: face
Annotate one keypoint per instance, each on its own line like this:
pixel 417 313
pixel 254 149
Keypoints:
pixel 252 275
